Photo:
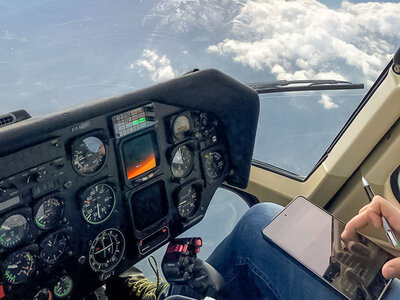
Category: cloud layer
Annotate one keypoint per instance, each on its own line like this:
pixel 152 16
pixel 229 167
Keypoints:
pixel 157 67
pixel 304 39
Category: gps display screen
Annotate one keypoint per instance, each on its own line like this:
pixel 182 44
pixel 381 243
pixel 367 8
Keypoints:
pixel 140 155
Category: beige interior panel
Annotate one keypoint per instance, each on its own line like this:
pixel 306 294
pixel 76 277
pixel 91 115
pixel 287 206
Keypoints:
pixel 377 169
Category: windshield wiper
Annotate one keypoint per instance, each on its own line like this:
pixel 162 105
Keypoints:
pixel 303 85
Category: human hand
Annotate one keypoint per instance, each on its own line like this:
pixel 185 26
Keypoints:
pixel 372 214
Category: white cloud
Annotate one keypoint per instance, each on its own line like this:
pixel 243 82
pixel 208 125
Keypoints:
pixel 305 39
pixel 184 16
pixel 327 102
pixel 157 67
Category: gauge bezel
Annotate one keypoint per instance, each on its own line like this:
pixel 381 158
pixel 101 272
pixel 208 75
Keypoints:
pixel 198 185
pixel 191 147
pixel 223 175
pixel 67 232
pixel 69 289
pixel 27 213
pixel 85 191
pixel 41 291
pixel 116 263
pixel 76 142
pixel 39 203
pixel 187 133
pixel 33 249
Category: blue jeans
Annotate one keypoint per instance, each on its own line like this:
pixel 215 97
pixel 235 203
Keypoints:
pixel 253 268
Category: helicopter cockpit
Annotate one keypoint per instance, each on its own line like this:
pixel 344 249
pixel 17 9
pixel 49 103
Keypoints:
pixel 89 191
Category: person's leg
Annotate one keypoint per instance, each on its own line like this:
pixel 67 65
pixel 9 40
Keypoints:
pixel 393 292
pixel 255 269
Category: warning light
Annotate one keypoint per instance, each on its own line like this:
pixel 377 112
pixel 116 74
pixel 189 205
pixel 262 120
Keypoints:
pixel 2 294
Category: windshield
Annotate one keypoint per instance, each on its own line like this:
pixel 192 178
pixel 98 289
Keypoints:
pixel 58 54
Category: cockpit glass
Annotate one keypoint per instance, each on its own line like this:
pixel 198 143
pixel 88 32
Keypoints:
pixel 296 128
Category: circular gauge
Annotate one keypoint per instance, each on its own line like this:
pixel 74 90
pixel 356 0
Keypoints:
pixel 188 199
pixel 181 127
pixel 214 164
pixel 182 161
pixel 43 294
pixel 88 155
pixel 13 230
pixel 98 203
pixel 19 267
pixel 63 287
pixel 53 246
pixel 107 250
pixel 48 212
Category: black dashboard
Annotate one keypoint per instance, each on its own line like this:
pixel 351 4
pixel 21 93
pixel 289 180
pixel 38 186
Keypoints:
pixel 88 192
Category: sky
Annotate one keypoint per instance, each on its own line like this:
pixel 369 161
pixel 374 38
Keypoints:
pixel 58 54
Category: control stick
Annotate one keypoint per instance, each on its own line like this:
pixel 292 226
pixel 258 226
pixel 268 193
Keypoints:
pixel 181 266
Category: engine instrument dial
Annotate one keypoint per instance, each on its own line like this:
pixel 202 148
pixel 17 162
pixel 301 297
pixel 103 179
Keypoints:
pixel 53 247
pixel 188 199
pixel 214 164
pixel 181 127
pixel 107 250
pixel 13 230
pixel 98 202
pixel 63 287
pixel 88 155
pixel 182 161
pixel 19 267
pixel 43 294
pixel 48 212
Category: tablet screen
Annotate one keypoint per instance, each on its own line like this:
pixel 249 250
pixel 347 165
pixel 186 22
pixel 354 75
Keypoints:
pixel 313 237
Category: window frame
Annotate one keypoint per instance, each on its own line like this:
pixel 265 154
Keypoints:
pixel 271 168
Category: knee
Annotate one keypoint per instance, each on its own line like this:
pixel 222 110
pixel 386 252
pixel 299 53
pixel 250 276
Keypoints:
pixel 257 217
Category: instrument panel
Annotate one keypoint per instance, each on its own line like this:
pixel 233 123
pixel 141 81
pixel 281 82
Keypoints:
pixel 105 193
pixel 93 198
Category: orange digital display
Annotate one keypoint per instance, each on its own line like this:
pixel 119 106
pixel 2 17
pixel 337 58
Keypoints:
pixel 140 155
pixel 143 167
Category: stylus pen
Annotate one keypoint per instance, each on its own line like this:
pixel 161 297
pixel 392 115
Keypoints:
pixel 389 233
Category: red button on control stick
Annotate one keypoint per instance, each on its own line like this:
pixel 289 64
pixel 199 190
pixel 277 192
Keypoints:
pixel 198 243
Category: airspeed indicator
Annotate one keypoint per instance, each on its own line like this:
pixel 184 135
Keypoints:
pixel 98 202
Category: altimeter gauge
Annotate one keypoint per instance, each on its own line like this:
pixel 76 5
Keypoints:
pixel 53 247
pixel 107 250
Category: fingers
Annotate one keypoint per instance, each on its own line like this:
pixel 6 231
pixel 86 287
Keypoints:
pixel 392 268
pixel 363 208
pixel 371 214
pixel 356 223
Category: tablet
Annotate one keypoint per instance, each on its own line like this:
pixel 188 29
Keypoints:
pixel 313 237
